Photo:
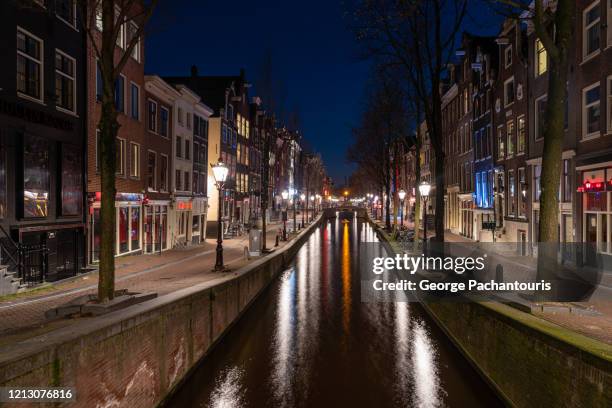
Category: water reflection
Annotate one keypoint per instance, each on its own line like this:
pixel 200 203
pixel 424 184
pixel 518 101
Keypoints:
pixel 310 341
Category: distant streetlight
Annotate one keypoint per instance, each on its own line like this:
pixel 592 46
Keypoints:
pixel 285 195
pixel 424 189
pixel 302 202
pixel 402 195
pixel 220 171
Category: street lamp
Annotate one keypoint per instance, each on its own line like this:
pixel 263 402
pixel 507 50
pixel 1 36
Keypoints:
pixel 285 195
pixel 302 200
pixel 220 172
pixel 424 188
pixel 402 195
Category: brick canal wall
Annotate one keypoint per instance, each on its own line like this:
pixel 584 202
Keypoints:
pixel 530 362
pixel 135 357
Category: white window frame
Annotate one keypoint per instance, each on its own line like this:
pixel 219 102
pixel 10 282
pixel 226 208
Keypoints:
pixel 167 170
pixel 585 107
pixel 122 157
pixel 132 102
pixel 536 121
pixel 136 174
pixel 72 78
pixel 121 37
pixel 149 101
pixel 585 28
pixel 41 62
pixel 155 186
pixel 609 100
pixel 73 23
pixel 508 53
pixel 136 51
pixel 167 123
pixel 506 82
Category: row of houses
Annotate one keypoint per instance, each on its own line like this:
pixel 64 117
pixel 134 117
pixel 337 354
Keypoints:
pixel 172 129
pixel 492 119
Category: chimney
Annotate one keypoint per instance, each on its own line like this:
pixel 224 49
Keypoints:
pixel 194 71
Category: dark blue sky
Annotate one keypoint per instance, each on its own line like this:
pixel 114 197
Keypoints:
pixel 314 55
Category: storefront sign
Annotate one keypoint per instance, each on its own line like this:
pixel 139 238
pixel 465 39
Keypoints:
pixel 34 116
pixel 184 205
pixel 127 197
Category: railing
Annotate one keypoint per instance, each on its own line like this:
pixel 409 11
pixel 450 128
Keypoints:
pixel 29 261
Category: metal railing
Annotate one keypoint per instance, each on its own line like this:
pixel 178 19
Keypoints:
pixel 30 261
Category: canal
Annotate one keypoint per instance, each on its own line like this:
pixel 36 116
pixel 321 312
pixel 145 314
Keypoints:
pixel 309 341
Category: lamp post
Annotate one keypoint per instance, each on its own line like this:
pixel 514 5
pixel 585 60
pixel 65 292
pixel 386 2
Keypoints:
pixel 285 195
pixel 424 188
pixel 302 199
pixel 293 200
pixel 220 171
pixel 402 195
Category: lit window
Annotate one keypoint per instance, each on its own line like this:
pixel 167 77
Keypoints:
pixel 29 65
pixel 590 110
pixel 522 209
pixel 511 193
pixel 65 81
pixel 134 160
pixel 511 137
pixel 541 58
pixel 520 146
pixel 501 145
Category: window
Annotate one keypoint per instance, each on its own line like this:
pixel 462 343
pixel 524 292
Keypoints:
pixel 501 145
pixel 591 30
pixel 187 183
pixel 566 184
pixel 177 180
pixel 36 176
pixel 508 56
pixel 537 173
pixel 509 91
pixel 187 149
pixel 540 112
pixel 121 34
pixel 180 116
pixel 164 115
pixel 120 94
pixel 151 170
pixel 134 160
pixel 511 137
pixel 520 145
pixel 522 208
pixel 152 121
pixel 120 159
pixel 224 134
pixel 188 120
pixel 541 64
pixel 163 172
pixel 135 101
pixel 131 34
pixel 196 152
pixel 194 179
pixel 179 146
pixel 610 101
pixel 511 193
pixel 590 110
pixel 72 190
pixel 29 65
pixel 99 23
pixel 65 10
pixel 65 92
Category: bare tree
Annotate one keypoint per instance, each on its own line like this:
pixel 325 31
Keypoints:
pixel 553 23
pixel 106 22
pixel 418 35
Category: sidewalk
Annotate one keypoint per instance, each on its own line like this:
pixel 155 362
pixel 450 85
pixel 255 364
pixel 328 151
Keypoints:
pixel 23 314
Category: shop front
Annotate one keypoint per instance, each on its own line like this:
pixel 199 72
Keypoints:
pixel 198 227
pixel 156 226
pixel 183 212
pixel 467 215
pixel 128 236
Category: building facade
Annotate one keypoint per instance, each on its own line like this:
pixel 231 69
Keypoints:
pixel 43 113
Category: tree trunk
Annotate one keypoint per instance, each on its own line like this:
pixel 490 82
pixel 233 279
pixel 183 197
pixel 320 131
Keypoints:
pixel 548 239
pixel 108 132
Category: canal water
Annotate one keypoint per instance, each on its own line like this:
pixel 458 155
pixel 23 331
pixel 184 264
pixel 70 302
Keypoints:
pixel 309 341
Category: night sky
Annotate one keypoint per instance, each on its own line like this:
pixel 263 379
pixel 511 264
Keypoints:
pixel 314 56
